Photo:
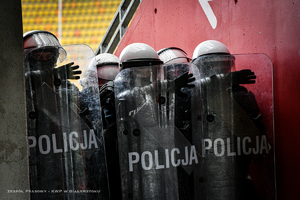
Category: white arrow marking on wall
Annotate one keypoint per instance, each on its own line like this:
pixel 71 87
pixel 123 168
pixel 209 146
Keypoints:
pixel 209 13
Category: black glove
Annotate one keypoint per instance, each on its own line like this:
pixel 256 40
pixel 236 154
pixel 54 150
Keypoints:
pixel 70 70
pixel 245 76
pixel 184 81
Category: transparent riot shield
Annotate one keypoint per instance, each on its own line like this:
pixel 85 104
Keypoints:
pixel 187 130
pixel 236 121
pixel 66 145
pixel 151 147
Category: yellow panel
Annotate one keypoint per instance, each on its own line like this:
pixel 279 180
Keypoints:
pixel 93 26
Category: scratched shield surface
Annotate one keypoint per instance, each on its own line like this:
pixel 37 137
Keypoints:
pixel 67 155
pixel 157 153
pixel 237 137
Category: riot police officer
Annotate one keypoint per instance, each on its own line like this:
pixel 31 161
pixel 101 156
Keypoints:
pixel 107 67
pixel 145 101
pixel 224 169
pixel 66 153
pixel 177 62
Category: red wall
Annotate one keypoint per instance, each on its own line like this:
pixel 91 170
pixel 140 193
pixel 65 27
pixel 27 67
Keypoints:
pixel 256 26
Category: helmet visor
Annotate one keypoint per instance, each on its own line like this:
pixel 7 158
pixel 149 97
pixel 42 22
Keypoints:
pixel 43 39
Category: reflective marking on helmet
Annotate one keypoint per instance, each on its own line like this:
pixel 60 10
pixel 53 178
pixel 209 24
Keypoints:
pixel 44 39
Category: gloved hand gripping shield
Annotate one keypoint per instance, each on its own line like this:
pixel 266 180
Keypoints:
pixel 237 149
pixel 151 148
pixel 67 155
